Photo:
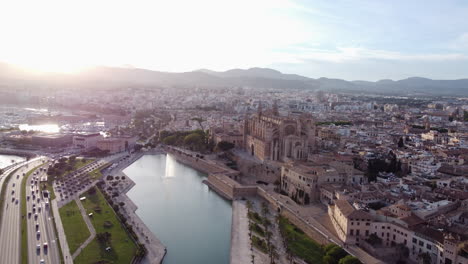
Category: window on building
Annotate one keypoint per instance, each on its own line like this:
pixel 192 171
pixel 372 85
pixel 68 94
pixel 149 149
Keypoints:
pixel 428 246
pixel 421 243
pixel 357 232
pixel 352 223
pixel 404 242
pixel 367 232
pixel 351 232
pixel 415 240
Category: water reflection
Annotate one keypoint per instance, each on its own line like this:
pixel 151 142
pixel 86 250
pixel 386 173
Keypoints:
pixel 170 168
pixel 192 221
pixel 6 160
pixel 48 128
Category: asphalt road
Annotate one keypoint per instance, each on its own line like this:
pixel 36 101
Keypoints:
pixel 10 231
pixel 40 227
pixel 10 238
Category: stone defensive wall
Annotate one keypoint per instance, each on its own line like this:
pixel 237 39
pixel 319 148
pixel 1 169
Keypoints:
pixel 199 164
pixel 294 218
pixel 232 190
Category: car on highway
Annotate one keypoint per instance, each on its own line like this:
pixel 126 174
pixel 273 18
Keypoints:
pixel 35 216
pixel 42 261
pixel 37 226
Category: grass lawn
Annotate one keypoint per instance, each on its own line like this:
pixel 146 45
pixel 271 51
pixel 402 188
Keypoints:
pixel 257 229
pixel 24 226
pixel 96 174
pixel 75 227
pixel 300 244
pixel 254 216
pixel 259 243
pixel 123 247
pixel 77 164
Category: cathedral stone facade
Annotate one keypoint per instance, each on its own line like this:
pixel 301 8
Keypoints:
pixel 269 136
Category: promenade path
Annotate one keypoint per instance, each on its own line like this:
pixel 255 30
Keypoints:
pixel 92 231
pixel 240 240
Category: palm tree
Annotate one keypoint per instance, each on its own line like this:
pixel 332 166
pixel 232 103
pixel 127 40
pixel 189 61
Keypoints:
pixel 249 205
pixel 289 255
pixel 277 218
pixel 273 254
pixel 268 235
pixel 265 210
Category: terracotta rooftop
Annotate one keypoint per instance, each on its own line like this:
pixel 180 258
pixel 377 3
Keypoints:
pixel 412 220
pixel 345 207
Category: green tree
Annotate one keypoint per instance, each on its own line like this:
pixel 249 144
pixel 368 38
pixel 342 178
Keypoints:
pixel 170 140
pixel 333 254
pixel 248 204
pixel 349 260
pixel 224 146
pixel 194 139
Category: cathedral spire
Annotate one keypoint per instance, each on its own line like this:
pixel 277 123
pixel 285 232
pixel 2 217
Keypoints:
pixel 275 108
pixel 260 108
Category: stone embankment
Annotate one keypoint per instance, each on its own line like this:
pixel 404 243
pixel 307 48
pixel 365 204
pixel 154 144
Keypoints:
pixel 156 249
pixel 220 180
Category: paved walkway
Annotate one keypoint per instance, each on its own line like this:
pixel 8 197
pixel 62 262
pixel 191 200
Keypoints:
pixel 61 234
pixel 240 241
pixel 311 216
pixel 92 231
pixel 156 250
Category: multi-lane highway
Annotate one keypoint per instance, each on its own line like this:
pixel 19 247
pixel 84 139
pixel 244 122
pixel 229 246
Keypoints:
pixel 42 241
pixel 10 229
pixel 10 238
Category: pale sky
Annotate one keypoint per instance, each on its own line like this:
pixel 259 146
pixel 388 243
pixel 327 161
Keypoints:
pixel 360 39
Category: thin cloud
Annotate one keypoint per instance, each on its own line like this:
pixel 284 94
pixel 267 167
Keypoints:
pixel 346 54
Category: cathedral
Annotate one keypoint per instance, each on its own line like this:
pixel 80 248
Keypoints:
pixel 269 136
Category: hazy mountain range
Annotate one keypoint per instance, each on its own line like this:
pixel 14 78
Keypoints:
pixel 253 78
